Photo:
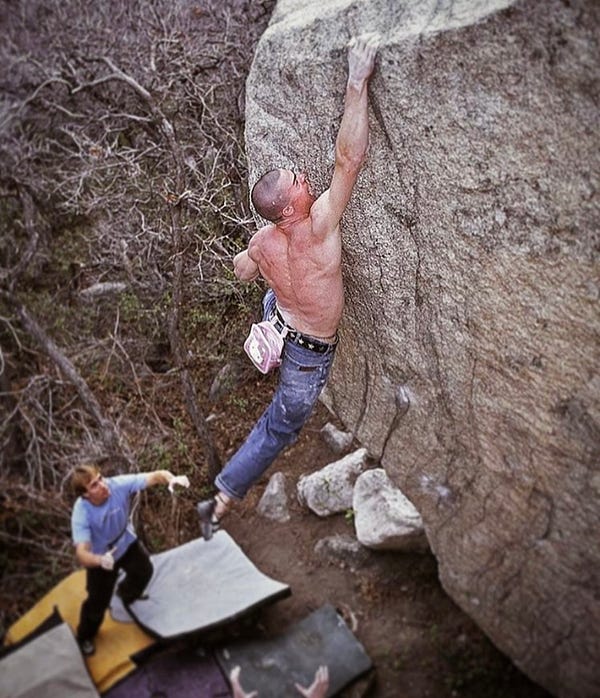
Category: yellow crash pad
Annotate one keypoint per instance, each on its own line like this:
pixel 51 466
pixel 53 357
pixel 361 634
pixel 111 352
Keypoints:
pixel 115 642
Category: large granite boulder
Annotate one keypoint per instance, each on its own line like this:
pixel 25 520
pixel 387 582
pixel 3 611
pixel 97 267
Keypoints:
pixel 471 283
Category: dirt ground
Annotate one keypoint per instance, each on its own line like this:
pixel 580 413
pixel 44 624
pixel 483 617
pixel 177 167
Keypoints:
pixel 420 642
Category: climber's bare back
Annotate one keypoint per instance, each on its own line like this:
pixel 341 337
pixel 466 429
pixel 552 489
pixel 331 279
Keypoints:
pixel 305 272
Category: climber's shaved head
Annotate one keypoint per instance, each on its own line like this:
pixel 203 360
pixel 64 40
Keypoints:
pixel 269 197
pixel 282 196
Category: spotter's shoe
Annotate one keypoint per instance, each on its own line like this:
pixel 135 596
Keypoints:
pixel 87 647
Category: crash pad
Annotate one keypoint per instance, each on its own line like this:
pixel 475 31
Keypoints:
pixel 172 674
pixel 49 665
pixel 116 643
pixel 199 586
pixel 273 666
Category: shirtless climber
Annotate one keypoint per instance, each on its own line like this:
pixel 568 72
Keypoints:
pixel 299 254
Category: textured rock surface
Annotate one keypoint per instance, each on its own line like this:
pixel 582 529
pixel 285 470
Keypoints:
pixel 343 549
pixel 384 519
pixel 273 504
pixel 329 490
pixel 471 278
pixel 338 441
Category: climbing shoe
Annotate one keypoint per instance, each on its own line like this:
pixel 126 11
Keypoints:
pixel 208 521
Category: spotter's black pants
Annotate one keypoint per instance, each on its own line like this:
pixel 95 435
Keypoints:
pixel 100 584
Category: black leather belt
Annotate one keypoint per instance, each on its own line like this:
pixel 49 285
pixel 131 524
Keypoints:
pixel 300 339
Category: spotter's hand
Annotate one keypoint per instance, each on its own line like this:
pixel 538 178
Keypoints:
pixel 107 561
pixel 181 480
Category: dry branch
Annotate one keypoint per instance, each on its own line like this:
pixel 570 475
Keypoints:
pixel 122 162
pixel 177 346
pixel 108 433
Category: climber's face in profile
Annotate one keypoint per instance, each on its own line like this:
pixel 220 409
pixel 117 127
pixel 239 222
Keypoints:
pixel 297 191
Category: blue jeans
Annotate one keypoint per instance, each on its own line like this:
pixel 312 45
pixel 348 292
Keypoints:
pixel 302 375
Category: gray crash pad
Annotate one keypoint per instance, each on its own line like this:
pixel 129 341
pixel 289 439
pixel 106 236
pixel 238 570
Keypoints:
pixel 199 586
pixel 273 666
pixel 49 665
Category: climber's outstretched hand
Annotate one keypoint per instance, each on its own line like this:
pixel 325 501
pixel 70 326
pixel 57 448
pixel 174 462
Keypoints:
pixel 361 56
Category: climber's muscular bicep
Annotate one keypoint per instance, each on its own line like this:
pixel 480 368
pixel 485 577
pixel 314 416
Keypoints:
pixel 244 267
pixel 246 263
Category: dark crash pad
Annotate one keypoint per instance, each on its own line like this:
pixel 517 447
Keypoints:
pixel 173 674
pixel 273 666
